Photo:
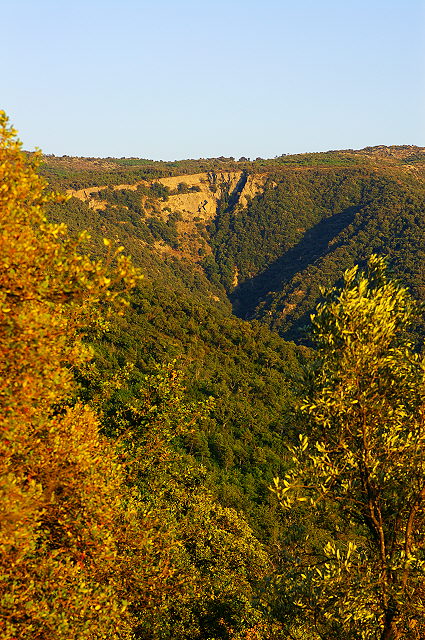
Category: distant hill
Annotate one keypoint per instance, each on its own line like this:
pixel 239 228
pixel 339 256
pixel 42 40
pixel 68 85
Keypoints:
pixel 267 234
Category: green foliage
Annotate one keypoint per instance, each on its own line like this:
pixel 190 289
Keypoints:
pixel 128 198
pixel 217 561
pixel 251 372
pixel 178 313
pixel 183 187
pixel 255 238
pixel 369 214
pixel 159 190
pixel 360 470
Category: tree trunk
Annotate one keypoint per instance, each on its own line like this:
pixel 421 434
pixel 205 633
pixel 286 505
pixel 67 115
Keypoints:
pixel 390 631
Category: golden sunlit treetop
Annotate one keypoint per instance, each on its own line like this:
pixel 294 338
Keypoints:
pixel 61 486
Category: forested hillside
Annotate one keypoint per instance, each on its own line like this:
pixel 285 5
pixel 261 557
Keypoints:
pixel 153 396
pixel 270 233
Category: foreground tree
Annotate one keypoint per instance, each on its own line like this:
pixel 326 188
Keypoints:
pixel 63 519
pixel 358 476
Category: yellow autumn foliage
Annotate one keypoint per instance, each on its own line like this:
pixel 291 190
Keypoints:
pixel 61 487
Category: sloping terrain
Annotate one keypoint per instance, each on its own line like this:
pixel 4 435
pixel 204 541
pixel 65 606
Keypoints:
pixel 234 255
pixel 180 314
pixel 270 232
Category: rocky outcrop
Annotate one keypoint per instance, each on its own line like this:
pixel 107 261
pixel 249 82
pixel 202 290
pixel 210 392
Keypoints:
pixel 195 198
pixel 206 190
pixel 253 187
pixel 202 193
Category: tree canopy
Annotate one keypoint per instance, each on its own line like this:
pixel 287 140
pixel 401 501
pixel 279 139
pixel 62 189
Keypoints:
pixel 358 474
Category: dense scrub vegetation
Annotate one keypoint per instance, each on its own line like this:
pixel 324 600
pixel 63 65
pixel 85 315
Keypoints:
pixel 143 422
pixel 176 313
pixel 388 220
pixel 300 234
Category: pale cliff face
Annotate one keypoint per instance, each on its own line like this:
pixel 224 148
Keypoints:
pixel 200 203
pixel 253 187
pixel 204 203
pixel 195 207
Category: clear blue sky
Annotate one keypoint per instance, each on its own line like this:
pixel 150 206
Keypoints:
pixel 171 79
